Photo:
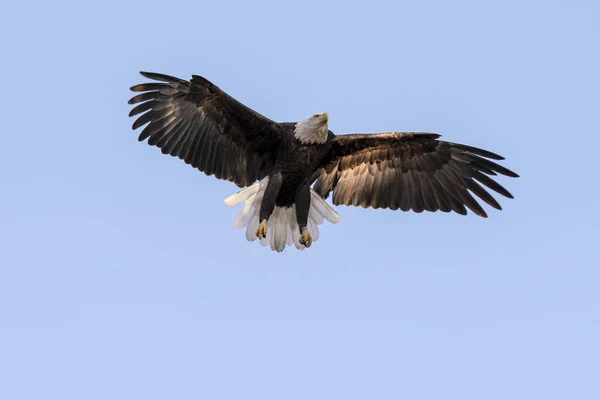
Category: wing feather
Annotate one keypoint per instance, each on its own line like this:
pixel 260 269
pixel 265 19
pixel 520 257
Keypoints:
pixel 411 171
pixel 204 126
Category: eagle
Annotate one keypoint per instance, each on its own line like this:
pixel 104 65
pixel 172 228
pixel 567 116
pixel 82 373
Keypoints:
pixel 286 170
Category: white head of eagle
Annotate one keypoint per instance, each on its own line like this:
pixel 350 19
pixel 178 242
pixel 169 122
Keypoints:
pixel 312 129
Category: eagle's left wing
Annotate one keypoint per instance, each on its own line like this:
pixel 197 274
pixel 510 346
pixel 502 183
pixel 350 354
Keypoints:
pixel 409 170
pixel 204 126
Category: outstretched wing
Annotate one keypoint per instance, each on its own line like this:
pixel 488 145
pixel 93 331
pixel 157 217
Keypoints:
pixel 204 126
pixel 410 171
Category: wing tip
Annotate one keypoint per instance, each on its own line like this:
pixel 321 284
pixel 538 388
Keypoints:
pixel 156 76
pixel 481 213
pixel 151 75
pixel 138 123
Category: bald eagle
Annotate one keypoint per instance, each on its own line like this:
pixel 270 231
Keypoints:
pixel 277 163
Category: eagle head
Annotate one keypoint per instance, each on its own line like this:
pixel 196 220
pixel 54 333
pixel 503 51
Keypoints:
pixel 313 129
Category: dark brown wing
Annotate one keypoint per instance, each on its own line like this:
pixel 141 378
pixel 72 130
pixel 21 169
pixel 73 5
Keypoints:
pixel 410 171
pixel 204 126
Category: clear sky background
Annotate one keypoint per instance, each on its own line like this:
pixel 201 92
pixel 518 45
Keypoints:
pixel 123 277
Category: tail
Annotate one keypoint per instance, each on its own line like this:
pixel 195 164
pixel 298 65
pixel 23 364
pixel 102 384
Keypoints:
pixel 283 228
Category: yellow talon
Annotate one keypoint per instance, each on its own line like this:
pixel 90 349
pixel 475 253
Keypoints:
pixel 305 238
pixel 261 232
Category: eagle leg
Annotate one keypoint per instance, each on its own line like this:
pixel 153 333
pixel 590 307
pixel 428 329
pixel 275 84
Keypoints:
pixel 305 238
pixel 261 232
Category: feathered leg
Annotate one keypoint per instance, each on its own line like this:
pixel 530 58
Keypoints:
pixel 268 203
pixel 302 201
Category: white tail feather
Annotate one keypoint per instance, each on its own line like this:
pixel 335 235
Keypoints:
pixel 322 208
pixel 282 226
pixel 246 193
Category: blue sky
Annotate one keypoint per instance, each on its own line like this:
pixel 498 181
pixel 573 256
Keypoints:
pixel 123 276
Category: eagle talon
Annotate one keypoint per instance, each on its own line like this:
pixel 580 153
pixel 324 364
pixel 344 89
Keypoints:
pixel 305 238
pixel 261 232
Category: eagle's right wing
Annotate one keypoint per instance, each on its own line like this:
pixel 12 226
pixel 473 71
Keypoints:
pixel 204 126
pixel 410 171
